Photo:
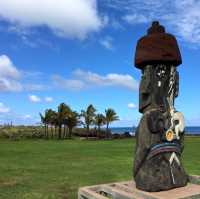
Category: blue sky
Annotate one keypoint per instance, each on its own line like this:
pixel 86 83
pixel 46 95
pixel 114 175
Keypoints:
pixel 81 52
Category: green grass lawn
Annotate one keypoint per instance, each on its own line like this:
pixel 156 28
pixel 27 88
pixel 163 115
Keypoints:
pixel 55 169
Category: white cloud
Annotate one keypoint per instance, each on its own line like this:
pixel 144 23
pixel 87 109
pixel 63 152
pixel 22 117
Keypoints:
pixel 111 79
pixel 34 87
pixel 14 80
pixel 107 42
pixel 86 79
pixel 9 75
pixel 10 85
pixel 136 18
pixel 34 98
pixel 68 18
pixel 27 116
pixel 3 108
pixel 131 105
pixel 116 25
pixel 19 119
pixel 187 21
pixel 48 99
pixel 69 84
pixel 180 17
pixel 7 68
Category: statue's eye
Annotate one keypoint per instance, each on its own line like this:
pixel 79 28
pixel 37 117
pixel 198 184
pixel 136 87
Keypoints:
pixel 176 122
pixel 161 71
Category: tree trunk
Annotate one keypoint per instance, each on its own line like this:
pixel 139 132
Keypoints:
pixel 43 128
pixel 99 129
pixel 70 132
pixel 64 132
pixel 47 132
pixel 88 131
pixel 67 132
pixel 107 134
pixel 55 128
pixel 51 131
pixel 59 132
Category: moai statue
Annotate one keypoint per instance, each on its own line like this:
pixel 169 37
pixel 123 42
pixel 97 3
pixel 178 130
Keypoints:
pixel 160 134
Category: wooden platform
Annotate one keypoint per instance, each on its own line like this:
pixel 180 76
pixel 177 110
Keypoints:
pixel 127 190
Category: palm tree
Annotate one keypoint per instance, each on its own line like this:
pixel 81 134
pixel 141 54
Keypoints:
pixel 88 116
pixel 62 113
pixel 71 121
pixel 110 116
pixel 52 120
pixel 100 120
pixel 46 119
pixel 43 121
pixel 55 122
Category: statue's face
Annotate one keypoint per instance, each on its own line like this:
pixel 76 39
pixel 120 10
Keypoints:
pixel 161 76
pixel 156 85
pixel 160 81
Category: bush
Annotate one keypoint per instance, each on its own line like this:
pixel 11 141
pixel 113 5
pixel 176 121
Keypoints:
pixel 21 132
pixel 10 133
pixel 37 132
pixel 82 132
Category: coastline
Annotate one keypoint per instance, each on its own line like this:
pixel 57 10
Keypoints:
pixel 190 131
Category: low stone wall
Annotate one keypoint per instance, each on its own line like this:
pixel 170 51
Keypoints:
pixel 127 190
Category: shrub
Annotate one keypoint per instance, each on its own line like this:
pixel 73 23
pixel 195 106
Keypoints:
pixel 21 132
pixel 82 132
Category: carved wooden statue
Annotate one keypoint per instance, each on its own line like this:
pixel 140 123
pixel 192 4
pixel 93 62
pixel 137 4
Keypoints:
pixel 159 136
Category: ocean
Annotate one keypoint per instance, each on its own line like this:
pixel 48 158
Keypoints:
pixel 194 130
